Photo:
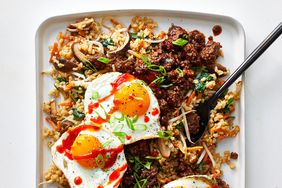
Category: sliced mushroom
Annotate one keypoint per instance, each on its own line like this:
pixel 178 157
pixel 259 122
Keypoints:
pixel 81 25
pixel 79 56
pixel 64 65
pixel 164 149
pixel 66 124
pixel 123 48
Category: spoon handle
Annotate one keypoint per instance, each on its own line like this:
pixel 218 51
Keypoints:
pixel 248 61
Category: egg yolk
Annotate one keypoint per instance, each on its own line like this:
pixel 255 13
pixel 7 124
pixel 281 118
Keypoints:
pixel 84 144
pixel 132 99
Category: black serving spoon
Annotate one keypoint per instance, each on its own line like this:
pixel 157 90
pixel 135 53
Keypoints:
pixel 203 110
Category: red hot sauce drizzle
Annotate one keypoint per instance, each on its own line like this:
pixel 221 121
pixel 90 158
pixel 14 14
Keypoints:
pixel 155 111
pixel 120 80
pixel 77 180
pixel 116 173
pixel 109 155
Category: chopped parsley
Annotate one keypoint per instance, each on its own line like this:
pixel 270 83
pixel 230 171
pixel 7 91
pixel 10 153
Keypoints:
pixel 77 115
pixel 107 42
pixel 200 85
pixel 229 103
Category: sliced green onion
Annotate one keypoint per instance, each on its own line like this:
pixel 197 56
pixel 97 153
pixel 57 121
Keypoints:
pixel 180 42
pixel 120 119
pixel 140 127
pixel 118 127
pixel 166 86
pixel 147 165
pixel 95 95
pixel 164 134
pixel 135 118
pixel 108 143
pixel 152 157
pixel 105 112
pixel 121 136
pixel 104 60
pixel 100 161
pixel 180 72
pixel 129 123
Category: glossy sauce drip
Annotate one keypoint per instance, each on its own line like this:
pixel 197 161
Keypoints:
pixel 109 155
pixel 115 174
pixel 217 29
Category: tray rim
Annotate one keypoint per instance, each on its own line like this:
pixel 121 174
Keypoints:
pixel 40 30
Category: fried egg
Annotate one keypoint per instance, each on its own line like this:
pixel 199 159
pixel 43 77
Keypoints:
pixel 197 181
pixel 124 105
pixel 90 156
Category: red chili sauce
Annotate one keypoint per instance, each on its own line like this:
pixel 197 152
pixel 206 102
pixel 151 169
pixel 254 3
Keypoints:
pixel 110 155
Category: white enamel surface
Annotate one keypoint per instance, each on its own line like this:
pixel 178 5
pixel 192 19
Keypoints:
pixel 90 177
pixel 144 130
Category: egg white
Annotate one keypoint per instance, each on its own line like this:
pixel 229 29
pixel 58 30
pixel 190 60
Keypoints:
pixel 196 181
pixel 90 177
pixel 142 130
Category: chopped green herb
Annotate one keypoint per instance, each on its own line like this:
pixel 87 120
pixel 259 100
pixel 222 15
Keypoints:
pixel 180 72
pixel 180 42
pixel 95 95
pixel 166 86
pixel 165 134
pixel 148 165
pixel 135 118
pixel 153 67
pixel 200 86
pixel 104 60
pixel 185 36
pixel 119 118
pixel 179 125
pixel 139 183
pixel 77 115
pixel 152 157
pixel 62 79
pixel 100 161
pixel 159 80
pixel 135 36
pixel 129 123
pixel 229 103
pixel 118 127
pixel 107 42
pixel 108 143
pixel 121 136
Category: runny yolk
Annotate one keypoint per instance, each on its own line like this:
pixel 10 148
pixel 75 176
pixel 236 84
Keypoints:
pixel 84 144
pixel 132 100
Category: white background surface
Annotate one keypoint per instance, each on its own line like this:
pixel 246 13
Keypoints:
pixel 19 21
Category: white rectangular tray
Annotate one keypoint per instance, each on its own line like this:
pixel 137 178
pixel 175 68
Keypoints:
pixel 232 39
